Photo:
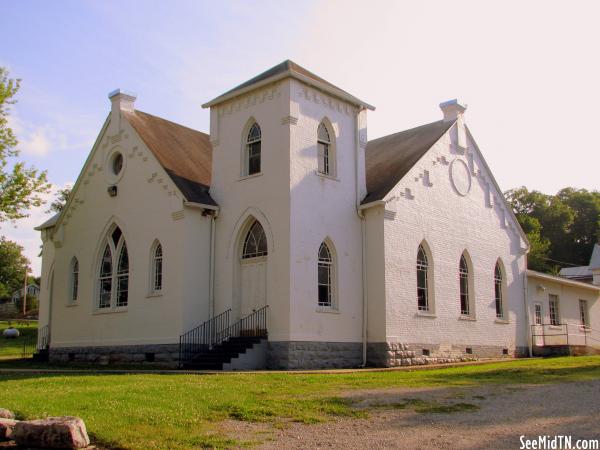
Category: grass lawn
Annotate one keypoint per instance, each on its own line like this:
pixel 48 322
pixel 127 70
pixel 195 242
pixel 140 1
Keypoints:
pixel 11 348
pixel 145 411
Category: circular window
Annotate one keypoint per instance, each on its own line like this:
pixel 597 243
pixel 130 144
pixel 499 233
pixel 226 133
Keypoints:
pixel 117 163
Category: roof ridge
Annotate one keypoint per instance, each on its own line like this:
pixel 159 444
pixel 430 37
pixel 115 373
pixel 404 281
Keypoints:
pixel 408 129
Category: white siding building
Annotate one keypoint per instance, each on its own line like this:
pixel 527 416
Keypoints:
pixel 284 234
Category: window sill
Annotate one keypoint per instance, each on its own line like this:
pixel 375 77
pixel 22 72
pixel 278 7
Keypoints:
pixel 325 176
pixel 327 310
pixel 69 305
pixel 121 309
pixel 154 295
pixel 555 327
pixel 246 177
pixel 502 321
pixel 467 318
pixel 430 315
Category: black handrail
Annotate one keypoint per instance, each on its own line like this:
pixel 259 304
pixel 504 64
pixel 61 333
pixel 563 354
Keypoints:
pixel 43 341
pixel 39 341
pixel 253 325
pixel 211 333
pixel 202 338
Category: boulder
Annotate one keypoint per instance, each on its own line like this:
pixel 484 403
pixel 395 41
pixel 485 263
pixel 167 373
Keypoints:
pixel 53 432
pixel 6 429
pixel 6 414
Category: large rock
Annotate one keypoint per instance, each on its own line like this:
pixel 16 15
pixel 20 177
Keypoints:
pixel 6 414
pixel 6 429
pixel 53 432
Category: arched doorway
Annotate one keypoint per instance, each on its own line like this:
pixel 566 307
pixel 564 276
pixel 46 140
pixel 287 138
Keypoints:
pixel 253 269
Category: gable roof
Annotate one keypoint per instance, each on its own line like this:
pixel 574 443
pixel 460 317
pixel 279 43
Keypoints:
pixel 184 153
pixel 388 159
pixel 576 272
pixel 285 69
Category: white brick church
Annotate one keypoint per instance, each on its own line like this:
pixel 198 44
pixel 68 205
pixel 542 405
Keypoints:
pixel 286 239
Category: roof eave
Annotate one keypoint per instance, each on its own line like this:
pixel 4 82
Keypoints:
pixel 291 74
pixel 565 281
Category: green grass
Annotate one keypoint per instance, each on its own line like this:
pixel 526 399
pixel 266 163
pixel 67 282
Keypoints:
pixel 146 411
pixel 11 348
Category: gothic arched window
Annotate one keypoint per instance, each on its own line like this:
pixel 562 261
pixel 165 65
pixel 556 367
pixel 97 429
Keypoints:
pixel 325 154
pixel 113 285
pixel 255 244
pixel 422 280
pixel 253 150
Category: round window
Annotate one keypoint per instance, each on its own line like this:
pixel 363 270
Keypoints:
pixel 117 163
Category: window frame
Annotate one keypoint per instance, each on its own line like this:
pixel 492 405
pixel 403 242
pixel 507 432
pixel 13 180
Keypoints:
pixel 251 145
pixel 554 310
pixel 499 291
pixel 538 307
pixel 465 283
pixel 326 150
pixel 116 277
pixel 156 264
pixel 426 269
pixel 584 313
pixel 74 281
pixel 329 265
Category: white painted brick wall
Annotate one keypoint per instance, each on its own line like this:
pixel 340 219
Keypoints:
pixel 450 224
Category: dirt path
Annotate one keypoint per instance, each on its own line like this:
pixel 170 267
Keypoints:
pixel 451 418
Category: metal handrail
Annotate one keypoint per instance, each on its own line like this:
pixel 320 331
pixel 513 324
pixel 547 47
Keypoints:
pixel 587 331
pixel 212 333
pixel 253 325
pixel 203 337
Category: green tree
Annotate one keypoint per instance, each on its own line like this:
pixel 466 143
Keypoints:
pixel 562 228
pixel 12 267
pixel 60 200
pixel 585 230
pixel 20 186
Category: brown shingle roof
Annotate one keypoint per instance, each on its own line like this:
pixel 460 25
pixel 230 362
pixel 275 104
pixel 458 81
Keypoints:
pixel 292 69
pixel 185 154
pixel 389 158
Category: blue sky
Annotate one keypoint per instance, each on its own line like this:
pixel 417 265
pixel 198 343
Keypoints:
pixel 527 70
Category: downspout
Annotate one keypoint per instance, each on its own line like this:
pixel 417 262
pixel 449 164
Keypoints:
pixel 211 281
pixel 528 333
pixel 361 216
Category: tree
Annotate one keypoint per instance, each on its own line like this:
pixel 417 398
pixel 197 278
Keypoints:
pixel 60 200
pixel 12 267
pixel 585 230
pixel 20 187
pixel 561 228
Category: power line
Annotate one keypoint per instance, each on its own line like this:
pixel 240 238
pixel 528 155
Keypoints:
pixel 561 262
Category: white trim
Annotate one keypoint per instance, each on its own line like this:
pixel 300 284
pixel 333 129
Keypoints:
pixel 565 281
pixel 336 92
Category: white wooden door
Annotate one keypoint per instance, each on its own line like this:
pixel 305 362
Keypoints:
pixel 253 285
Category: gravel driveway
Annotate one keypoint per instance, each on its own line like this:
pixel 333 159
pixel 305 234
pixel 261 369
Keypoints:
pixel 449 418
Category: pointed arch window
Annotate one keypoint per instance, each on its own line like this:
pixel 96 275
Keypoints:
pixel 464 280
pixel 74 280
pixel 325 154
pixel 325 277
pixel 157 269
pixel 422 280
pixel 255 244
pixel 498 291
pixel 252 156
pixel 113 276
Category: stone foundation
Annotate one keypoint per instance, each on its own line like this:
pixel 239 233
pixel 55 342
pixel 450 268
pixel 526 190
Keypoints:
pixel 314 355
pixel 166 355
pixel 392 354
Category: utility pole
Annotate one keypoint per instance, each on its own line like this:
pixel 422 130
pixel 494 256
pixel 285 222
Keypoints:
pixel 25 292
